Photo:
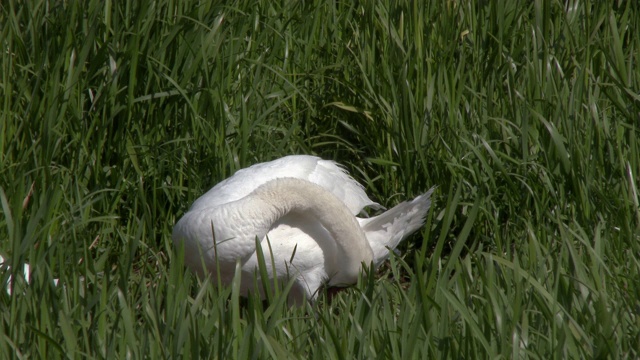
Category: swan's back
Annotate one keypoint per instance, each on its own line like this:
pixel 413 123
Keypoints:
pixel 326 173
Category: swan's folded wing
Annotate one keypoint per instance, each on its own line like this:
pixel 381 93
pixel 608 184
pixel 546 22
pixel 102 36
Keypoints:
pixel 336 180
pixel 246 180
pixel 325 173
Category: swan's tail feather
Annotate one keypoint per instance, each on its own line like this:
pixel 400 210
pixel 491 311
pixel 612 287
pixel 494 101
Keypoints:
pixel 388 229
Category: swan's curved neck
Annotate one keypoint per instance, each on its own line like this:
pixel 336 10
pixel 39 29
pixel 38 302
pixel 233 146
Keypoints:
pixel 285 195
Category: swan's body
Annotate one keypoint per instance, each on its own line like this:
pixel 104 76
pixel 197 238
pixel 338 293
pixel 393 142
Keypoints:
pixel 303 209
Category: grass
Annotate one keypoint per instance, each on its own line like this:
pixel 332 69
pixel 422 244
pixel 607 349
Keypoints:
pixel 526 114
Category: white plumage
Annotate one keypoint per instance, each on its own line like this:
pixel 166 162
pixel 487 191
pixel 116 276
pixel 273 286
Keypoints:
pixel 303 209
pixel 26 273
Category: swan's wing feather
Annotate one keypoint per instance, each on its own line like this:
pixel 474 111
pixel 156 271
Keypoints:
pixel 246 180
pixel 325 173
pixel 337 180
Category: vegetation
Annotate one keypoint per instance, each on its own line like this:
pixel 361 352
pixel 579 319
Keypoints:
pixel 115 116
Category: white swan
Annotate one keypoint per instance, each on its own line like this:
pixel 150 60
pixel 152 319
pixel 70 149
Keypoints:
pixel 303 209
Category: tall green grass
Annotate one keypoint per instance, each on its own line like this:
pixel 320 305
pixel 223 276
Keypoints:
pixel 115 116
